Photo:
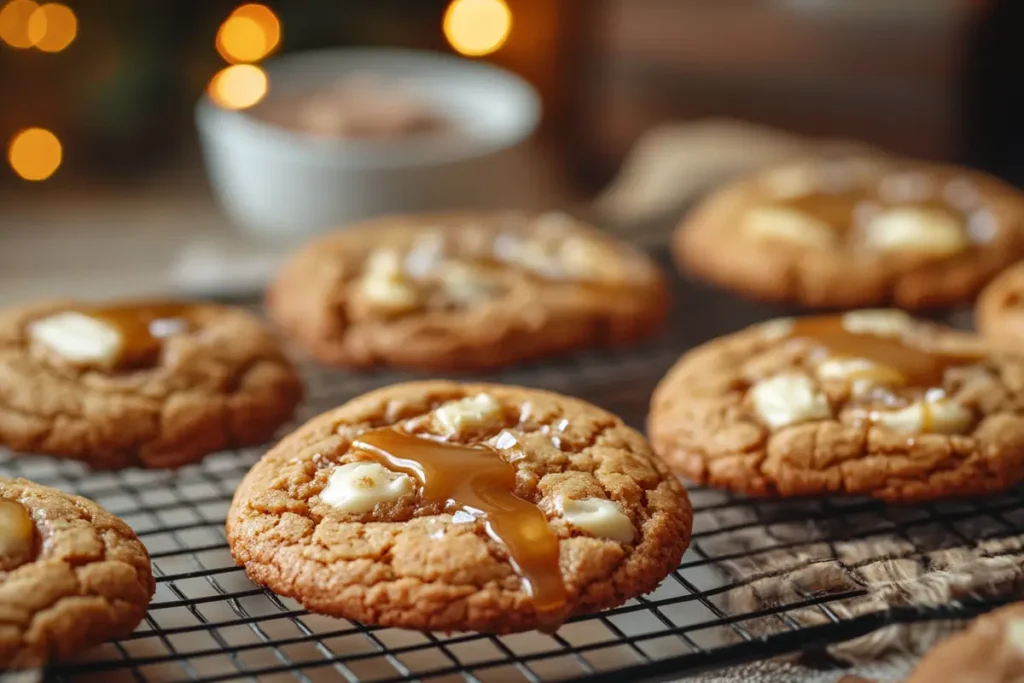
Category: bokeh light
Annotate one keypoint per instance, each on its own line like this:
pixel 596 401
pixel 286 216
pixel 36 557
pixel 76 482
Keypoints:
pixel 267 20
pixel 477 27
pixel 249 34
pixel 14 20
pixel 238 86
pixel 34 153
pixel 52 27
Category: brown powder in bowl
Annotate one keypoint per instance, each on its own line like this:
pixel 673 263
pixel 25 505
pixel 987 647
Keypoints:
pixel 355 108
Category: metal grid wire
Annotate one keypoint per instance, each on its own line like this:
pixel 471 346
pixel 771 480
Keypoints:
pixel 209 623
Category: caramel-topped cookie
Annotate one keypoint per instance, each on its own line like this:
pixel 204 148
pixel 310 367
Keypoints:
pixel 999 312
pixel 871 403
pixel 465 291
pixel 446 506
pixel 855 231
pixel 153 384
pixel 989 650
pixel 72 575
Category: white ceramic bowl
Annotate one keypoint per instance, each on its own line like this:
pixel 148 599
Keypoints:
pixel 281 183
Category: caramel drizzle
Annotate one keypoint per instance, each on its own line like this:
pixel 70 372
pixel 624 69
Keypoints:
pixel 476 480
pixel 917 366
pixel 927 417
pixel 143 327
pixel 898 362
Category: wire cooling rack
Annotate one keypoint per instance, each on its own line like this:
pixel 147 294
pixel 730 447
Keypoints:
pixel 209 623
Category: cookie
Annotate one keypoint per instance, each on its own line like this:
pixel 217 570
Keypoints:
pixel 990 650
pixel 72 575
pixel 464 291
pixel 151 384
pixel 999 312
pixel 449 506
pixel 870 403
pixel 855 231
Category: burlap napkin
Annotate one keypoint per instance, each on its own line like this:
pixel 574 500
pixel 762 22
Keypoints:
pixel 777 554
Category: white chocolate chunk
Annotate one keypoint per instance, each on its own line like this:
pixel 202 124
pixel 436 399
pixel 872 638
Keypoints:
pixel 168 327
pixel 465 284
pixel 863 375
pixel 534 255
pixel 475 411
pixel 882 322
pixel 78 339
pixel 940 417
pixel 385 264
pixel 778 328
pixel 359 486
pixel 426 254
pixel 916 230
pixel 539 250
pixel 583 256
pixel 384 283
pixel 787 399
pixel 788 225
pixel 554 250
pixel 506 246
pixel 597 517
pixel 393 296
pixel 1015 634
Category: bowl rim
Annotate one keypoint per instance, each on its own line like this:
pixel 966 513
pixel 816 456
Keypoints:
pixel 240 124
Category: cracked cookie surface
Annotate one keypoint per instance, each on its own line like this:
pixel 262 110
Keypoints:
pixel 898 409
pixel 465 291
pixel 620 521
pixel 855 231
pixel 222 383
pixel 989 650
pixel 78 576
pixel 999 312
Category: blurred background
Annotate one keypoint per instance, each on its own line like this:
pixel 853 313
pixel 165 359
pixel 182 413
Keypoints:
pixel 104 189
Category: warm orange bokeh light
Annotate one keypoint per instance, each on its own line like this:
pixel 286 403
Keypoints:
pixel 14 21
pixel 239 86
pixel 265 17
pixel 52 27
pixel 34 153
pixel 477 27
pixel 249 34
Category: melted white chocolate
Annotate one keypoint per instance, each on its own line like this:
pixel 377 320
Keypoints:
pixel 359 486
pixel 598 517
